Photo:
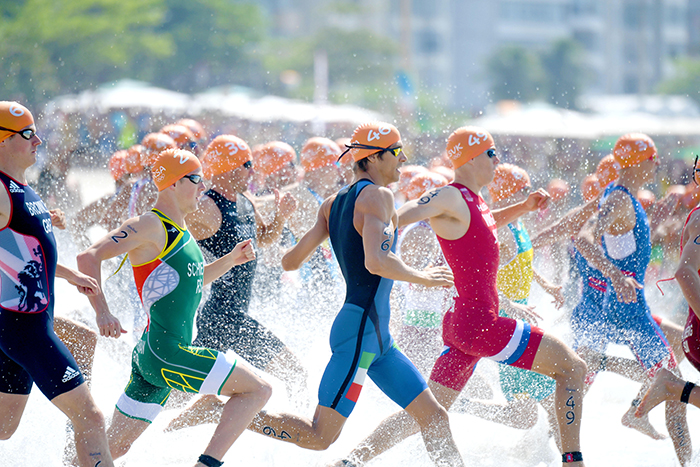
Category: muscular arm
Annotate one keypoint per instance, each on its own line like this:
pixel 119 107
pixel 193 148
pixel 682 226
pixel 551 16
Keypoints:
pixel 430 205
pixel 299 253
pixel 141 238
pixel 85 284
pixel 566 227
pixel 536 200
pixel 268 234
pixel 613 215
pixel 552 289
pixel 687 272
pixel 375 211
pixel 241 253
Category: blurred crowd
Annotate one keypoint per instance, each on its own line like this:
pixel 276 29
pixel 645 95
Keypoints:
pixel 126 141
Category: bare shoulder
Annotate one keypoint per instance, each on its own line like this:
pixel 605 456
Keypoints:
pixel 692 227
pixel 375 198
pixel 207 210
pixel 618 199
pixel 206 220
pixel 5 206
pixel 144 225
pixel 325 209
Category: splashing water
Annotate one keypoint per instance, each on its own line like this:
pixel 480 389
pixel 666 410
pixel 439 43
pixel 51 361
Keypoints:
pixel 40 437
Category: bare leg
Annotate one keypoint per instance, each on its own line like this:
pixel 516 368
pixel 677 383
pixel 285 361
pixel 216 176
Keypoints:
pixel 248 394
pixel 558 361
pixel 397 427
pixel 596 362
pixel 88 423
pixel 208 408
pixel 435 428
pixel 677 426
pixel 632 370
pixel 666 387
pixel 11 410
pixel 549 407
pixel 520 413
pixel 287 367
pixel 123 432
pixel 641 424
pixel 317 434
pixel 674 334
pixel 81 342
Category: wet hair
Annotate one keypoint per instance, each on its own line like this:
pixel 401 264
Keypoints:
pixel 362 163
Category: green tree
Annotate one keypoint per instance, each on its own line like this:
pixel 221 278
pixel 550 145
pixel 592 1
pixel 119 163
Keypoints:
pixel 516 73
pixel 565 73
pixel 51 46
pixel 686 80
pixel 214 42
pixel 57 46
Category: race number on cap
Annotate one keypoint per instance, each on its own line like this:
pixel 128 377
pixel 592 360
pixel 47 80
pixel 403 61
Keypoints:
pixel 378 135
pixel 466 143
pixel 224 154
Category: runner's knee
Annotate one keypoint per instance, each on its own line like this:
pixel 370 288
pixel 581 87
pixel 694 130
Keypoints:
pixel 435 419
pixel 89 418
pixel 8 429
pixel 263 392
pixel 575 370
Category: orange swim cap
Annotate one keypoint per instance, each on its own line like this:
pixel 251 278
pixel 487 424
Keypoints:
pixel 13 116
pixel 370 138
pixel 465 143
pixel 224 154
pixel 590 187
pixel 407 174
pixel 273 156
pixel 153 144
pixel 608 170
pixel 116 165
pixel 171 165
pixel 133 162
pixel 445 171
pixel 318 152
pixel 647 198
pixel 181 134
pixel 195 127
pixel 508 179
pixel 557 189
pixel 634 148
pixel 423 182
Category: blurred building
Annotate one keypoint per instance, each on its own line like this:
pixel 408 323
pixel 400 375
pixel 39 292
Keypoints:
pixel 629 44
pixel 694 27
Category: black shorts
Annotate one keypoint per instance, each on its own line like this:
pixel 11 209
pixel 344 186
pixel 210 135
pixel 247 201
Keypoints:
pixel 221 329
pixel 31 352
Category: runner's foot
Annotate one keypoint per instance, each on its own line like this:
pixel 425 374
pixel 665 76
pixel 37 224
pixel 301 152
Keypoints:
pixel 666 386
pixel 641 424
